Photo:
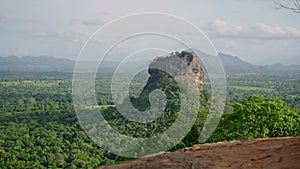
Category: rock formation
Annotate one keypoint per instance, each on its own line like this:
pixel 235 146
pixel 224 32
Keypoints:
pixel 184 66
pixel 269 153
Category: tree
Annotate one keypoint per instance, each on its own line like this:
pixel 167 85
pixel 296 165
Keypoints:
pixel 258 117
pixel 296 7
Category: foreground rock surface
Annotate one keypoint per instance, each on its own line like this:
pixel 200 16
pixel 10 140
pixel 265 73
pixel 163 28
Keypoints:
pixel 272 153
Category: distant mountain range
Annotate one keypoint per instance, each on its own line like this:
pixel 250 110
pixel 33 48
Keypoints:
pixel 35 63
pixel 231 64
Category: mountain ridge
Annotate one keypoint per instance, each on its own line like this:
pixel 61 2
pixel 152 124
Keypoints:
pixel 231 64
pixel 35 63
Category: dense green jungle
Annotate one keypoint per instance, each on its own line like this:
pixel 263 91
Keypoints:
pixel 39 127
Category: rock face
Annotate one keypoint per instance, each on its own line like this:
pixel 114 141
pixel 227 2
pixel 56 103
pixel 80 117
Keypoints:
pixel 184 66
pixel 272 153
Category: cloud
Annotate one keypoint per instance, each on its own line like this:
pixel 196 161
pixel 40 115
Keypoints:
pixel 28 20
pixel 88 22
pixel 64 35
pixel 19 19
pixel 93 22
pixel 220 28
pixel 231 44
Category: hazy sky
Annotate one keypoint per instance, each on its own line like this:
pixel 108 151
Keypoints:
pixel 251 29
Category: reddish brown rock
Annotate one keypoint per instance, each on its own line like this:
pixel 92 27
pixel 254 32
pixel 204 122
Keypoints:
pixel 272 153
pixel 184 66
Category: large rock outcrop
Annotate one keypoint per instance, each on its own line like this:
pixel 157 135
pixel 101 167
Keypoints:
pixel 183 66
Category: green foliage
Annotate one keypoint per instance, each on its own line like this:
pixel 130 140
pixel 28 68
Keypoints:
pixel 162 123
pixel 258 117
pixel 285 87
pixel 38 127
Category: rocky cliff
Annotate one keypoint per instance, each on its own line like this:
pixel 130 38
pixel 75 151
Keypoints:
pixel 183 66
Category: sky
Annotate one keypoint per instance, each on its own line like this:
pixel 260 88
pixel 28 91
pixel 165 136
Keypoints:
pixel 253 30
